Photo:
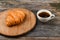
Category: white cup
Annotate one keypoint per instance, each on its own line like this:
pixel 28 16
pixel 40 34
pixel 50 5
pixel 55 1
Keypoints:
pixel 43 18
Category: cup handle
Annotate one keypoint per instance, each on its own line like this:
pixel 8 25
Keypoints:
pixel 53 16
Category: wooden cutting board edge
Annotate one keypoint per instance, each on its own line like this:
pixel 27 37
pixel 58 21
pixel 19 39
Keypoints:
pixel 28 30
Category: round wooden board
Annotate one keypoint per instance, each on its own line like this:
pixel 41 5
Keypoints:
pixel 26 26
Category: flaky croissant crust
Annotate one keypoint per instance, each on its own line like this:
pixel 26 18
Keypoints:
pixel 15 16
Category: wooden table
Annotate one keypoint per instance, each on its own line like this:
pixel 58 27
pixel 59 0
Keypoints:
pixel 49 30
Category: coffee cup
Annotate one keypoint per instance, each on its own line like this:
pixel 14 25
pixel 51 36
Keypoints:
pixel 45 15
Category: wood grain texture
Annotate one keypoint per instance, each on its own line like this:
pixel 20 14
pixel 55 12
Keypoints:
pixel 43 32
pixel 33 38
pixel 43 1
pixel 22 28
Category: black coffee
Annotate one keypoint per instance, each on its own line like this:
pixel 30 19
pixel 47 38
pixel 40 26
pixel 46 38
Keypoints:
pixel 44 14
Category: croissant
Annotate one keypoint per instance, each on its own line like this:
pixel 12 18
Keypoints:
pixel 15 17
